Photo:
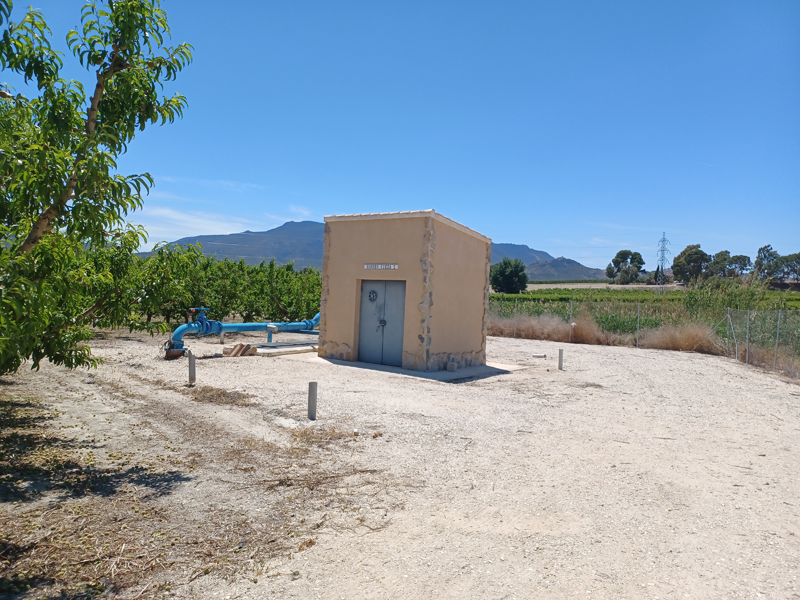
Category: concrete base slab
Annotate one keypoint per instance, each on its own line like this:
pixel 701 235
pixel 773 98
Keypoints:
pixel 469 373
pixel 270 352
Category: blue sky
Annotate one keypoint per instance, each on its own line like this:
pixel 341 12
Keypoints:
pixel 578 128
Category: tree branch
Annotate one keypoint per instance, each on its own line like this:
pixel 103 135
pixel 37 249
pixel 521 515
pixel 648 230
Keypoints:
pixel 42 224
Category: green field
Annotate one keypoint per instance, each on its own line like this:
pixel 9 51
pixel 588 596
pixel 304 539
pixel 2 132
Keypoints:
pixel 551 282
pixel 741 298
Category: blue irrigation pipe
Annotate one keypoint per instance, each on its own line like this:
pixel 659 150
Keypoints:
pixel 204 326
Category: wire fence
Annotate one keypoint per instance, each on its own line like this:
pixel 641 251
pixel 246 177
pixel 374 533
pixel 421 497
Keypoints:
pixel 769 339
pixel 766 338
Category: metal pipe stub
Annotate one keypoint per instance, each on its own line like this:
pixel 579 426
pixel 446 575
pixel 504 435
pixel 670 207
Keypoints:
pixel 171 353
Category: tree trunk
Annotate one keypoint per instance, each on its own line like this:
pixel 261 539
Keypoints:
pixel 43 223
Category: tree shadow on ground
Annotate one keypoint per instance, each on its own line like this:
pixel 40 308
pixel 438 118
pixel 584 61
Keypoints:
pixel 34 461
pixel 38 462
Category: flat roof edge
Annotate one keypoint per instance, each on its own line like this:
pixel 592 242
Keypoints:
pixel 409 214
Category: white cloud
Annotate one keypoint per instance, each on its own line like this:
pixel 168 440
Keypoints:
pixel 235 186
pixel 300 211
pixel 167 224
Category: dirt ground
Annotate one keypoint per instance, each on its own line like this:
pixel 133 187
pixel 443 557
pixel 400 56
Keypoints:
pixel 630 474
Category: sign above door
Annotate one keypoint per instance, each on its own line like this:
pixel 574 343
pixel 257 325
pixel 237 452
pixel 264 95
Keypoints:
pixel 380 267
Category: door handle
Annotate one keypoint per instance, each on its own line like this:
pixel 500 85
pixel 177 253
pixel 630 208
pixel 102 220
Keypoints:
pixel 382 323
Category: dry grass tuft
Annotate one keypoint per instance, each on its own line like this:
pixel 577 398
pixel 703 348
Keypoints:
pixel 310 542
pixel 686 337
pixel 320 436
pixel 554 329
pixel 586 331
pixel 544 327
pixel 214 395
pixel 786 361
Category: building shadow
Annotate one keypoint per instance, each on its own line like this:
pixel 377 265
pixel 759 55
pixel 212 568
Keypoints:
pixel 458 376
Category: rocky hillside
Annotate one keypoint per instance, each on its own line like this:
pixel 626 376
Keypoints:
pixel 301 242
pixel 520 251
pixel 543 267
pixel 562 269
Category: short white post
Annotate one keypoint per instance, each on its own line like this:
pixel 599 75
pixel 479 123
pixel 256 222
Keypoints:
pixel 312 400
pixel 560 360
pixel 192 370
pixel 222 337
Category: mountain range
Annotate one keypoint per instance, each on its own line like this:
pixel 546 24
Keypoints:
pixel 301 242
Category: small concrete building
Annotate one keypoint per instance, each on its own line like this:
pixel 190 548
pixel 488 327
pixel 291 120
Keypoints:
pixel 408 289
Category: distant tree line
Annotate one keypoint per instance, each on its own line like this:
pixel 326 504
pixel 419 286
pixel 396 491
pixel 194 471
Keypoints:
pixel 693 265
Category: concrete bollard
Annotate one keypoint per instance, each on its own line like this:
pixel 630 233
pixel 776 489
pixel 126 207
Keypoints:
pixel 222 337
pixel 560 360
pixel 192 369
pixel 312 400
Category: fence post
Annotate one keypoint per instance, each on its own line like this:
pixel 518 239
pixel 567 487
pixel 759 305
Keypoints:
pixel 570 311
pixel 747 347
pixel 515 316
pixel 777 337
pixel 733 332
pixel 727 333
pixel 638 314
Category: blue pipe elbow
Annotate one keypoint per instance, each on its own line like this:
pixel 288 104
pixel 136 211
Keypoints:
pixel 202 326
pixel 177 335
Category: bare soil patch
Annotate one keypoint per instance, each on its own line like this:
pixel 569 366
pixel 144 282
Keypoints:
pixel 632 473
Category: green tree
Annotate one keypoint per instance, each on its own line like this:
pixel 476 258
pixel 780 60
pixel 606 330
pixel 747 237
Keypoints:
pixel 720 265
pixel 225 288
pixel 508 276
pixel 740 264
pixel 63 206
pixel 767 263
pixel 625 267
pixel 165 280
pixel 689 264
pixel 293 295
pixel 791 266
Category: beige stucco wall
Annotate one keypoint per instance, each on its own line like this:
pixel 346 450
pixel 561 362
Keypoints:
pixel 460 298
pixel 445 319
pixel 349 245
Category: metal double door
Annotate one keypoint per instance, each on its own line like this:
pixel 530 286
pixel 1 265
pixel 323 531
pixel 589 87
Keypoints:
pixel 380 330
